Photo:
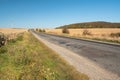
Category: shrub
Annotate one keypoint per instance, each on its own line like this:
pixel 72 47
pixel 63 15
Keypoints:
pixel 65 30
pixel 43 30
pixel 40 30
pixel 86 32
pixel 37 29
pixel 115 34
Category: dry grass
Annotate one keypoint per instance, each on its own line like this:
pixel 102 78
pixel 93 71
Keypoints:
pixel 96 33
pixel 26 58
pixel 11 33
pixel 56 31
pixel 12 30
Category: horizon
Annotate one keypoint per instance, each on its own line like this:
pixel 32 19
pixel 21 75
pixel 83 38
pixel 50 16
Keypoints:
pixel 55 13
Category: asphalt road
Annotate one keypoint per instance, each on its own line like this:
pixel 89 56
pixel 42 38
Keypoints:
pixel 105 55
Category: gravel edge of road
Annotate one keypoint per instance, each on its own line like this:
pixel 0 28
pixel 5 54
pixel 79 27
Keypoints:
pixel 82 64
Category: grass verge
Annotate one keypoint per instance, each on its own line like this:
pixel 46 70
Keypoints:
pixel 26 58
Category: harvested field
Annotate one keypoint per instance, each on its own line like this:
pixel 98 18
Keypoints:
pixel 12 30
pixel 96 33
pixel 9 33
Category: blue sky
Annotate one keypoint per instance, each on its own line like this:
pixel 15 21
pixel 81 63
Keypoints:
pixel 54 13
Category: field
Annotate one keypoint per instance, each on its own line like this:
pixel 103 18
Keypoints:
pixel 12 30
pixel 92 33
pixel 11 33
pixel 26 58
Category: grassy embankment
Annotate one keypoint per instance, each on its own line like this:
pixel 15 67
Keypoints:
pixel 25 58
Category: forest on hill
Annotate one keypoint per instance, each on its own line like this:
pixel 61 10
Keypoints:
pixel 99 24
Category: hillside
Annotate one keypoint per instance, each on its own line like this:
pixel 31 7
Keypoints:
pixel 99 24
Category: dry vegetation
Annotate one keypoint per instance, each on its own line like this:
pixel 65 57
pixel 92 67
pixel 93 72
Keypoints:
pixel 12 30
pixel 111 34
pixel 10 33
pixel 25 58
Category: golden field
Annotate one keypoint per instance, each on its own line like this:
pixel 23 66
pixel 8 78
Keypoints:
pixel 12 30
pixel 11 33
pixel 100 33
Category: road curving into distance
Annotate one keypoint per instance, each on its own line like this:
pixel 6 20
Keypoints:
pixel 100 61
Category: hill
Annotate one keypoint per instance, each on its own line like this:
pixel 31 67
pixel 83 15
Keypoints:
pixel 99 24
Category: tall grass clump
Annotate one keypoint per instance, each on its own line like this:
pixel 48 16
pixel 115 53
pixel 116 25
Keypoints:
pixel 86 32
pixel 65 30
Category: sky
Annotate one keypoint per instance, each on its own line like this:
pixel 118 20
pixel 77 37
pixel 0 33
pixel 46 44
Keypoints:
pixel 55 13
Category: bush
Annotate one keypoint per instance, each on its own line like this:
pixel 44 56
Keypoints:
pixel 115 34
pixel 86 32
pixel 43 30
pixel 65 30
pixel 37 29
pixel 40 30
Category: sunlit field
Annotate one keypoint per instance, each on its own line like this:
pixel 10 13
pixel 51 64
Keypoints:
pixel 92 33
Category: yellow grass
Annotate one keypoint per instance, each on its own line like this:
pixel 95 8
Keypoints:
pixel 12 30
pixel 97 31
pixel 101 33
pixel 57 31
pixel 11 33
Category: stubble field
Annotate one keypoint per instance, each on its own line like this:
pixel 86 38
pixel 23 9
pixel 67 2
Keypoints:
pixel 12 30
pixel 92 33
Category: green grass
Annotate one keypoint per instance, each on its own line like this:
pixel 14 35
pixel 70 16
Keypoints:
pixel 26 58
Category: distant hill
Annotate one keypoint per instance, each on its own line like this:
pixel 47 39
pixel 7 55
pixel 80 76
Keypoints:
pixel 99 24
